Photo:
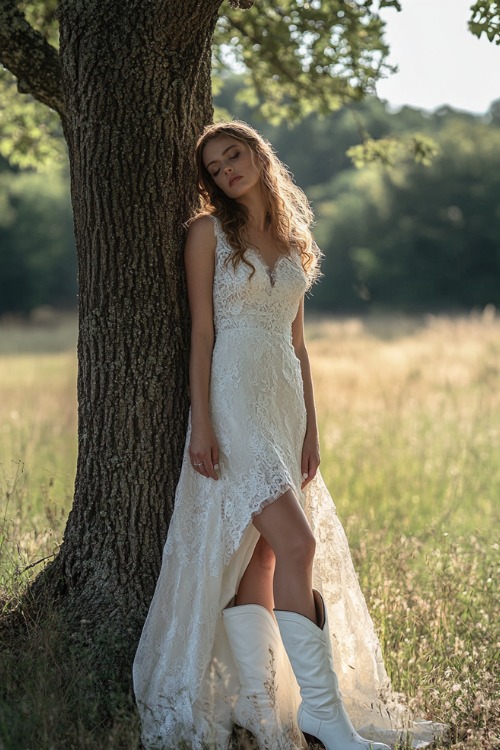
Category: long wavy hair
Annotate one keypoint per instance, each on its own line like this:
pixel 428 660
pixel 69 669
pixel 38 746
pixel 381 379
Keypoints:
pixel 288 211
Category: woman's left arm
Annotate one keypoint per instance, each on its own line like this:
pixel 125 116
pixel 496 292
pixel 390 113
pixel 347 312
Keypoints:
pixel 310 448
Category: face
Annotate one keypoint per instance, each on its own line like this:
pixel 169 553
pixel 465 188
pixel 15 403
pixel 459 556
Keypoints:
pixel 232 165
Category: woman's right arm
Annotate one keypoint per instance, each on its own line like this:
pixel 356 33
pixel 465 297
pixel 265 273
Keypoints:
pixel 199 258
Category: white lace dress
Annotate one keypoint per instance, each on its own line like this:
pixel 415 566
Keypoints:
pixel 184 677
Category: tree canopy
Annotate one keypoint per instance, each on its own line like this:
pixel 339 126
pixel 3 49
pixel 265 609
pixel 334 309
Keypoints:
pixel 300 57
pixel 296 57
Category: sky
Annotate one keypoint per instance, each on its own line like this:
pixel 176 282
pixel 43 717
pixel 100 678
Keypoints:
pixel 439 60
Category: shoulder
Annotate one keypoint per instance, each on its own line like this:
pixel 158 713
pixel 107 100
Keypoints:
pixel 200 247
pixel 201 230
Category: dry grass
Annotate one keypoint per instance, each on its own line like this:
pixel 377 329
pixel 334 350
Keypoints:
pixel 37 459
pixel 410 422
pixel 410 419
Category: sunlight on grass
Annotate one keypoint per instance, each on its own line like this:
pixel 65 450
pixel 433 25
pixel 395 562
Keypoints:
pixel 410 426
pixel 38 453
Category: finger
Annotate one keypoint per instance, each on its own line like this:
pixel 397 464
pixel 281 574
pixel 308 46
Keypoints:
pixel 310 472
pixel 304 466
pixel 215 460
pixel 206 469
pixel 210 469
pixel 198 465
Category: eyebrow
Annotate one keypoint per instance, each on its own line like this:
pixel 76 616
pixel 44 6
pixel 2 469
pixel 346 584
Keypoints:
pixel 233 145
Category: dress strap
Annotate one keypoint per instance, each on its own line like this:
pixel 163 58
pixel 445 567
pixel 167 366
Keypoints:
pixel 223 248
pixel 219 232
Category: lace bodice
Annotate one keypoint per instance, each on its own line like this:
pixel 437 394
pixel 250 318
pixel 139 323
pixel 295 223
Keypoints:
pixel 268 300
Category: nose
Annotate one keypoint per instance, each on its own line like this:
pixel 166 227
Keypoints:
pixel 228 168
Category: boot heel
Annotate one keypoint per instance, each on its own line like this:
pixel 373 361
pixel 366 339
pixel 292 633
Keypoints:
pixel 313 740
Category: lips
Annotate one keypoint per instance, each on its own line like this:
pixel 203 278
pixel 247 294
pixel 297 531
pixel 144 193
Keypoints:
pixel 234 179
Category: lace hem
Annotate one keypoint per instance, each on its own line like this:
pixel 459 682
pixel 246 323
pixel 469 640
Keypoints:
pixel 270 500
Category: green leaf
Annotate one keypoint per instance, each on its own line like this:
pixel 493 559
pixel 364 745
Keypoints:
pixel 485 19
pixel 393 151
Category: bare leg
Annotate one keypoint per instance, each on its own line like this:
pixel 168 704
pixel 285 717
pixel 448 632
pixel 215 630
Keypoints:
pixel 256 585
pixel 284 526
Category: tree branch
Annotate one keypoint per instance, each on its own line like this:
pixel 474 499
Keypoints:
pixel 30 58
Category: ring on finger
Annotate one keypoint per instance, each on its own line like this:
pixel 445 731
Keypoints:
pixel 202 464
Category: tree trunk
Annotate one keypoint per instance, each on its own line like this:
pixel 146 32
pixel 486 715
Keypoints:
pixel 136 77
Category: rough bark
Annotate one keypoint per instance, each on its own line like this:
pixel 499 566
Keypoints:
pixel 136 78
pixel 29 56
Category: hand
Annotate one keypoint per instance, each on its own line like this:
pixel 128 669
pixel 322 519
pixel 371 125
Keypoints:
pixel 310 458
pixel 204 451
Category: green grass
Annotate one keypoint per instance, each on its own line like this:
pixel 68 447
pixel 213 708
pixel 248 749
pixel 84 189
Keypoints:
pixel 409 412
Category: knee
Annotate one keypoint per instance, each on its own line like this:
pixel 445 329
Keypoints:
pixel 299 551
pixel 264 556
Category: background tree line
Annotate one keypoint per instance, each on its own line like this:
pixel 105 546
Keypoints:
pixel 404 236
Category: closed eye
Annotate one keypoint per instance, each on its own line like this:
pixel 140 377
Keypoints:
pixel 231 158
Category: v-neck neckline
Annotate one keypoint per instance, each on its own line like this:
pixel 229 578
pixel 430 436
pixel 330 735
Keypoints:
pixel 270 270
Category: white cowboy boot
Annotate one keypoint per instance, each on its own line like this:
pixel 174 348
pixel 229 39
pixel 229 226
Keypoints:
pixel 255 644
pixel 321 713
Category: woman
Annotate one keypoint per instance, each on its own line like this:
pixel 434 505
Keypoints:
pixel 254 536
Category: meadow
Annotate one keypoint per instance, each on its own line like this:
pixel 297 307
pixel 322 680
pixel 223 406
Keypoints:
pixel 409 412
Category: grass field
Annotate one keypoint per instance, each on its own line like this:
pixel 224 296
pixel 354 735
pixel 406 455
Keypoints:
pixel 409 414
